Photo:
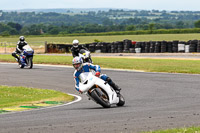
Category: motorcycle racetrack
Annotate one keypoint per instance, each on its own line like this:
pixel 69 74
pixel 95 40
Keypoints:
pixel 153 101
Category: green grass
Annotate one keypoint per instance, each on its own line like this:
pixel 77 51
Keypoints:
pixel 179 130
pixel 35 40
pixel 151 65
pixel 14 96
pixel 148 65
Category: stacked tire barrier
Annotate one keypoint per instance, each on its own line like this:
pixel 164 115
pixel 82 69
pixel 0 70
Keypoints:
pixel 163 47
pixel 198 46
pixel 175 46
pixel 128 46
pixel 138 47
pixel 120 47
pixel 169 46
pixel 193 46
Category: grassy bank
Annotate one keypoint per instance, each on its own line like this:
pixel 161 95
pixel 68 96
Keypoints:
pixel 149 65
pixel 37 40
pixel 14 96
pixel 179 130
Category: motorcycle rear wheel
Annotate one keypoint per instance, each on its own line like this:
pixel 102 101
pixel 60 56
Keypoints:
pixel 101 98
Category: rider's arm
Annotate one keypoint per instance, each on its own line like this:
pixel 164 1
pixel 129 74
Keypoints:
pixel 73 52
pixel 18 47
pixel 94 67
pixel 76 79
pixel 25 43
pixel 82 47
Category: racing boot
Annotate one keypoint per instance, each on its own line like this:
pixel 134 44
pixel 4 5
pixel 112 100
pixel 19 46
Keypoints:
pixel 114 86
pixel 16 57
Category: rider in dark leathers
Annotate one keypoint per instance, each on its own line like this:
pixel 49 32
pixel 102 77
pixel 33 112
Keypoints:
pixel 76 48
pixel 21 43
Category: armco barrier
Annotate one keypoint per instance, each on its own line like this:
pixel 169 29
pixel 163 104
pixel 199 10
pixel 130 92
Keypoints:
pixel 128 46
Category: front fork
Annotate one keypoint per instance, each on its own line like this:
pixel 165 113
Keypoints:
pixel 22 59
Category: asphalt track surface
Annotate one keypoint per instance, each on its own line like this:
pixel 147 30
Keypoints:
pixel 153 101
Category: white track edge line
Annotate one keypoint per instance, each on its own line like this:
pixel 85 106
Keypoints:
pixel 122 70
pixel 42 108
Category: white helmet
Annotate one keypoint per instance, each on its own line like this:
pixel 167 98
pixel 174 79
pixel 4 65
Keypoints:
pixel 22 38
pixel 75 43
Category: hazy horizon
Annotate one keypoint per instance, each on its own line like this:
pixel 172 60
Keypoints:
pixel 169 5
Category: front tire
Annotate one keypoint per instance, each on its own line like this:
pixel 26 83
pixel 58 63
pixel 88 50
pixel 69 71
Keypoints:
pixel 30 62
pixel 121 100
pixel 101 98
pixel 20 64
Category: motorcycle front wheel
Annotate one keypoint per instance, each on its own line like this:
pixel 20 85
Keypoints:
pixel 30 62
pixel 21 66
pixel 121 101
pixel 101 97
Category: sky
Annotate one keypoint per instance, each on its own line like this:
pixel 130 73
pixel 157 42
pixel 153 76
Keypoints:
pixel 185 5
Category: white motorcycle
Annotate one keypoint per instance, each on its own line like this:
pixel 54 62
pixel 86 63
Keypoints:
pixel 85 55
pixel 99 91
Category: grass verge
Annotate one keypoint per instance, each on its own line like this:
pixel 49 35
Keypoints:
pixel 179 130
pixel 148 65
pixel 15 96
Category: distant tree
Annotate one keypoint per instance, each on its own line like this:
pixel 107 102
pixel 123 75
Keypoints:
pixel 5 33
pixel 130 27
pixel 34 30
pixel 197 24
pixel 25 31
pixel 107 22
pixel 91 13
pixel 142 27
pixel 17 26
pixel 151 27
pixel 54 31
pixel 7 29
pixel 180 24
pixel 155 11
pixel 168 26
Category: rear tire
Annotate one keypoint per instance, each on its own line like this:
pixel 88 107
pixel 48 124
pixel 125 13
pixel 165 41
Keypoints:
pixel 101 99
pixel 121 101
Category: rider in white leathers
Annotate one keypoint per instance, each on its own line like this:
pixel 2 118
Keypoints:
pixel 81 67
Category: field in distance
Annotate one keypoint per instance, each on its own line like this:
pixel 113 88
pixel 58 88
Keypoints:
pixel 35 40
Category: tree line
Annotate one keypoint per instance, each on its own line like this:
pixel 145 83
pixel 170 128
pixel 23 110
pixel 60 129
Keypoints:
pixel 31 23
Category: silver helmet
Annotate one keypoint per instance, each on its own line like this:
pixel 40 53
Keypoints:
pixel 77 63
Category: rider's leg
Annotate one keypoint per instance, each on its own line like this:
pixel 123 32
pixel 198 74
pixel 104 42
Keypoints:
pixel 111 83
pixel 14 54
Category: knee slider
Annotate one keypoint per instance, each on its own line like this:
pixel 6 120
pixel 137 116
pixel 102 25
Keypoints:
pixel 108 79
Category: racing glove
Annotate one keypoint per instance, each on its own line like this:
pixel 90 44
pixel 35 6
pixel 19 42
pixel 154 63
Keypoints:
pixel 97 74
pixel 79 90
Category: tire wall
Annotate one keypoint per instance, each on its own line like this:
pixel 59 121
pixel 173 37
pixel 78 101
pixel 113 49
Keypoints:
pixel 129 46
